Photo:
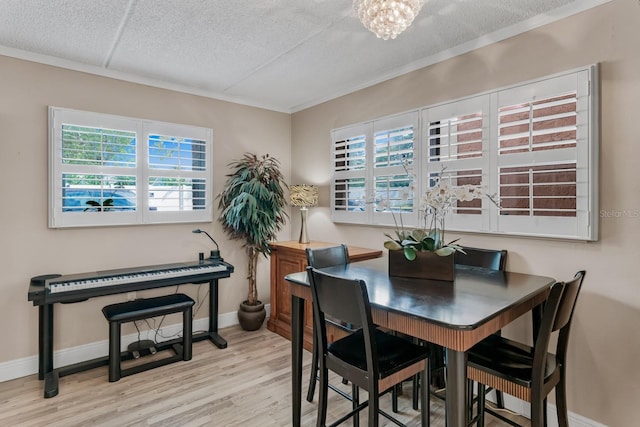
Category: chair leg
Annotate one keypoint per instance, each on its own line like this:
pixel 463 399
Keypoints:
pixel 499 399
pixel 187 331
pixel 394 398
pixel 322 398
pixel 314 369
pixel 470 384
pixel 537 413
pixel 374 406
pixel 425 401
pixel 481 403
pixel 355 396
pixel 561 403
pixel 416 383
pixel 114 351
pixel 544 412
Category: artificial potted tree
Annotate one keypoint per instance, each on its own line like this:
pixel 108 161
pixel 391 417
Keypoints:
pixel 253 210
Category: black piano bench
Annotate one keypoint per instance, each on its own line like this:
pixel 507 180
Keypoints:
pixel 140 309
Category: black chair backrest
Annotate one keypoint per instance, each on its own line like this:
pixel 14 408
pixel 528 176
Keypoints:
pixel 348 301
pixel 486 258
pixel 558 312
pixel 339 298
pixel 328 257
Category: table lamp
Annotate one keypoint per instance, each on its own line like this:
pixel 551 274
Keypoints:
pixel 303 196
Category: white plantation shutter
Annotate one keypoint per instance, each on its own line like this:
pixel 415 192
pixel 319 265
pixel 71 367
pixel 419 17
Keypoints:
pixel 394 188
pixel 348 201
pixel 178 176
pixel 544 158
pixel 110 170
pixel 372 164
pixel 456 137
pixel 535 145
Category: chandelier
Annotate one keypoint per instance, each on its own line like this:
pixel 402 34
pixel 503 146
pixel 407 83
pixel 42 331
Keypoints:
pixel 387 18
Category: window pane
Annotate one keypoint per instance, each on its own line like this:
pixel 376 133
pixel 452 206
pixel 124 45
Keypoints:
pixel 350 154
pixel 98 193
pixel 394 147
pixel 457 137
pixel 172 153
pixel 538 190
pixel 176 194
pixel 394 193
pixel 350 194
pixel 544 124
pixel 83 145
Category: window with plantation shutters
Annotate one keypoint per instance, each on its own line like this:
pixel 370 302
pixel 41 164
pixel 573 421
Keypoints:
pixel 533 145
pixel 456 146
pixel 372 165
pixel 546 157
pixel 110 170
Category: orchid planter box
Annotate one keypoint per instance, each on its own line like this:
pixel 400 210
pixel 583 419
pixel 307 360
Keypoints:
pixel 427 265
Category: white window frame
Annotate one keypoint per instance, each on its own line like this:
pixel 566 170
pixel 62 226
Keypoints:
pixel 142 171
pixel 584 226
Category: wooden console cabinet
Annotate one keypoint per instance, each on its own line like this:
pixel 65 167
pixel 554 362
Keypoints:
pixel 290 257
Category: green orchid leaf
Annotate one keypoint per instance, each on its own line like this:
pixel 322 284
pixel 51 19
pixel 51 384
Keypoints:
pixel 409 253
pixel 409 242
pixel 392 245
pixel 428 244
pixel 436 235
pixel 419 235
pixel 446 251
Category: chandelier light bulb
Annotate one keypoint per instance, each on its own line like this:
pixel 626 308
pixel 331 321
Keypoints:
pixel 387 18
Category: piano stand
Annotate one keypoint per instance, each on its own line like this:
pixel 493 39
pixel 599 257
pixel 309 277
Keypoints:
pixel 50 375
pixel 213 337
pixel 51 384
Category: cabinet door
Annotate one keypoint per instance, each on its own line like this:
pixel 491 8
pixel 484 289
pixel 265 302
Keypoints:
pixel 286 265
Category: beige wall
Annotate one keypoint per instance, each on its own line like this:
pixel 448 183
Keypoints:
pixel 28 248
pixel 603 375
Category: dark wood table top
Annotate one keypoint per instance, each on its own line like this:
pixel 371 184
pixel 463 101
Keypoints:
pixel 476 296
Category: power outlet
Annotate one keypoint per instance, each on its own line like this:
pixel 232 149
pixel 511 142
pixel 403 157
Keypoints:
pixel 131 296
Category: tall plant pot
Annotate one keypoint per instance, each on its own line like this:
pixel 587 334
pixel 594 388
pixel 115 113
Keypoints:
pixel 251 317
pixel 427 265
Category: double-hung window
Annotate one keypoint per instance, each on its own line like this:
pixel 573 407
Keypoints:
pixel 534 146
pixel 111 170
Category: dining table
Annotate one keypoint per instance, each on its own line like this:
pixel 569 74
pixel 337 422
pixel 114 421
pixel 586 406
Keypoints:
pixel 453 314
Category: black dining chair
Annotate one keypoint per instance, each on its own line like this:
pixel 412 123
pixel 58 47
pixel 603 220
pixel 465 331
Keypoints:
pixel 492 259
pixel 320 258
pixel 530 373
pixel 370 358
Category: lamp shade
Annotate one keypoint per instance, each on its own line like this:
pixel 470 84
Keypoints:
pixel 303 195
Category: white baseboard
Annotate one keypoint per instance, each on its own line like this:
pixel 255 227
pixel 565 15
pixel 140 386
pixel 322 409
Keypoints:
pixel 29 365
pixel 521 407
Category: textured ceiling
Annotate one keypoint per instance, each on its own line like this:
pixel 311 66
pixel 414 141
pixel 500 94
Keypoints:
pixel 284 55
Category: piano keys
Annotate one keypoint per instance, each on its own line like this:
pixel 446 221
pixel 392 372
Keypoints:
pixel 78 287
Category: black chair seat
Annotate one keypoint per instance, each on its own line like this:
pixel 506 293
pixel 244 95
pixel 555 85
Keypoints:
pixel 508 359
pixel 395 353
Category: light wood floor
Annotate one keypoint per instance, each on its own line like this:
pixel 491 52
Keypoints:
pixel 246 384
